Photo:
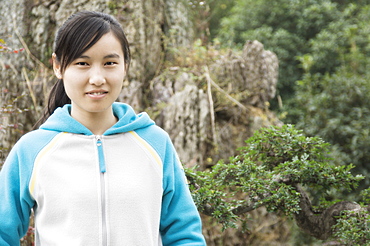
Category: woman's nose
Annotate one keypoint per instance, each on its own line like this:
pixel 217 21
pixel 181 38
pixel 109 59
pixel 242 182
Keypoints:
pixel 97 77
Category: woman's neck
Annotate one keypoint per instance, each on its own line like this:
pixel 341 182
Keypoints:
pixel 98 122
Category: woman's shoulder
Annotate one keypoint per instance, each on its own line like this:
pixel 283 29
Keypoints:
pixel 35 139
pixel 38 135
pixel 153 132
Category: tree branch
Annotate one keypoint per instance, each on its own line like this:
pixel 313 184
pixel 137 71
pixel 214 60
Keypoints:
pixel 242 209
pixel 319 225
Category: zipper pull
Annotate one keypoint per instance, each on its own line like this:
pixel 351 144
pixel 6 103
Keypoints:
pixel 101 158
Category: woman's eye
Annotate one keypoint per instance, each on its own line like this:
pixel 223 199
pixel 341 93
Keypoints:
pixel 82 63
pixel 110 63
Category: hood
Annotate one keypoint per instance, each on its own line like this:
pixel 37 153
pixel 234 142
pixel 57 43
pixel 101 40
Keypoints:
pixel 128 120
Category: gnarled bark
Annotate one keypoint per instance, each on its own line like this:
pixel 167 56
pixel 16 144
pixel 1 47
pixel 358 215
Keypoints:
pixel 320 224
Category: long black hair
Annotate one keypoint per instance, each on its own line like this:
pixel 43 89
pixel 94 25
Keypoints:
pixel 79 33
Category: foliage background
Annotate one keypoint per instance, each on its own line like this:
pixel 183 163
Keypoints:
pixel 323 50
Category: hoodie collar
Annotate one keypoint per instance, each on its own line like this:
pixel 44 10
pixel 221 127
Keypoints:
pixel 128 120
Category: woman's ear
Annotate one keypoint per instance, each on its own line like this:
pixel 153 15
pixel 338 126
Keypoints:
pixel 56 66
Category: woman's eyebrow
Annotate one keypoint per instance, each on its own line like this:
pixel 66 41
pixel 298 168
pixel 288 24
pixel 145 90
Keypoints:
pixel 113 55
pixel 84 57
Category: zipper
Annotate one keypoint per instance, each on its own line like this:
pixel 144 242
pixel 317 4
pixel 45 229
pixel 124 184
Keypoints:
pixel 102 168
pixel 104 217
pixel 99 145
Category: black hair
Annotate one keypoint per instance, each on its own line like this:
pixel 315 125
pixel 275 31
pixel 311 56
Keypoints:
pixel 79 33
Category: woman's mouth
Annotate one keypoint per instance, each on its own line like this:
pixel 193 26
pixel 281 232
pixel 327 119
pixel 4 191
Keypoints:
pixel 96 94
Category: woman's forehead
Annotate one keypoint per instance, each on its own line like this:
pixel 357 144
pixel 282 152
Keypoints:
pixel 108 46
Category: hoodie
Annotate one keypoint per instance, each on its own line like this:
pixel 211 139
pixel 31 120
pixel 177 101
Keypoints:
pixel 125 187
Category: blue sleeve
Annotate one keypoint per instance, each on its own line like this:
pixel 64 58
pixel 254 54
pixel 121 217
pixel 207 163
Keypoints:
pixel 15 204
pixel 15 199
pixel 180 220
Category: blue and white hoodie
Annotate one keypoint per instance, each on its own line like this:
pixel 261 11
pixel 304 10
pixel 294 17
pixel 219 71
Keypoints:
pixel 125 187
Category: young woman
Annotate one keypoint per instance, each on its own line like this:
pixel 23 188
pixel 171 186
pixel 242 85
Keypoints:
pixel 95 172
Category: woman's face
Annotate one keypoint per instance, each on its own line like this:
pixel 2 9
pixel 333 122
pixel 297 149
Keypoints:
pixel 94 80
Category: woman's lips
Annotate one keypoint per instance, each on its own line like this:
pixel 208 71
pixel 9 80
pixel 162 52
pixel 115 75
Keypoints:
pixel 96 94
